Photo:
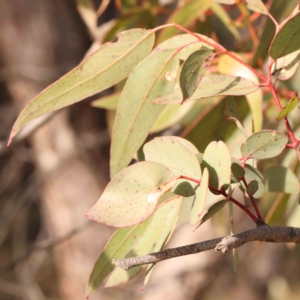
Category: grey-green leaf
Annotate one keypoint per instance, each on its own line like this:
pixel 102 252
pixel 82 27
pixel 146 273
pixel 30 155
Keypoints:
pixel 252 187
pixel 212 85
pixel 154 77
pixel 213 210
pixel 217 159
pixel 111 63
pixel 192 71
pixel 131 196
pixel 264 144
pixel 287 40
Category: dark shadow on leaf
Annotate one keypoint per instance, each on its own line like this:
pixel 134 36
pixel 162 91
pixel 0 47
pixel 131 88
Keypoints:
pixel 184 189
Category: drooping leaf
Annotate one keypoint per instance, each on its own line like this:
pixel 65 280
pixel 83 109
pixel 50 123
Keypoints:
pixel 252 187
pixel 264 144
pixel 117 247
pixel 154 236
pixel 109 102
pixel 281 179
pixel 217 159
pixel 252 174
pixel 193 70
pixel 154 77
pixel 286 66
pixel 185 16
pixel 232 113
pixel 212 85
pixel 111 63
pixel 279 10
pixel 163 231
pixel 200 198
pixel 131 196
pixel 287 40
pixel 290 106
pixel 257 6
pixel 173 153
pixel 213 210
pixel 222 14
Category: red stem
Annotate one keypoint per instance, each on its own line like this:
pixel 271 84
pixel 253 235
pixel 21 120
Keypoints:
pixel 252 201
pixel 243 207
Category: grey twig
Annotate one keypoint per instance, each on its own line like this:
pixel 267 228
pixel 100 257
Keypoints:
pixel 263 233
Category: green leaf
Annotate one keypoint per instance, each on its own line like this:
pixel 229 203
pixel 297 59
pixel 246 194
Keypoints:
pixel 264 144
pixel 279 10
pixel 287 40
pixel 188 44
pixel 111 63
pixel 172 152
pixel 152 240
pixel 163 231
pixel 237 169
pixel 213 210
pixel 290 106
pixel 200 198
pixel 171 115
pixel 257 6
pixel 232 113
pixel 117 247
pixel 131 196
pixel 222 14
pixel 109 102
pixel 286 66
pixel 252 174
pixel 212 85
pixel 193 70
pixel 282 180
pixel 252 187
pixel 185 16
pixel 154 77
pixel 217 159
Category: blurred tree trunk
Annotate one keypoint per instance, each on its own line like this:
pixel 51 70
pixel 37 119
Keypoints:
pixel 40 41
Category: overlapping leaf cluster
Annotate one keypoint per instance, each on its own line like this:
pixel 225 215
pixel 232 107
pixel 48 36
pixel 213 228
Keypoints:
pixel 144 199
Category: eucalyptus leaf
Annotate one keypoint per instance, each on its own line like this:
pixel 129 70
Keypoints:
pixel 212 85
pixel 213 210
pixel 200 198
pixel 111 63
pixel 252 187
pixel 217 159
pixel 153 238
pixel 287 39
pixel 193 70
pixel 172 152
pixel 253 174
pixel 117 247
pixel 131 196
pixel 136 114
pixel 290 106
pixel 264 144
